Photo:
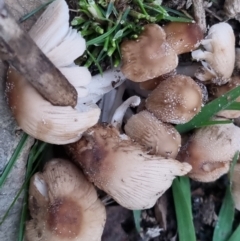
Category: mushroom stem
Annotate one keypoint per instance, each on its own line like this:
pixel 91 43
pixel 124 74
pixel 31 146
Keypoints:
pixel 102 84
pixel 110 102
pixel 20 51
pixel 199 14
pixel 120 111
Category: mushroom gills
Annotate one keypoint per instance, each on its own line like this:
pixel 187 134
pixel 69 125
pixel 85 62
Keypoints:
pixel 123 169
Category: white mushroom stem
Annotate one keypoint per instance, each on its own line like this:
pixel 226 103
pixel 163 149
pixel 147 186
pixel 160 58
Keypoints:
pixel 120 111
pixel 102 84
pixel 110 102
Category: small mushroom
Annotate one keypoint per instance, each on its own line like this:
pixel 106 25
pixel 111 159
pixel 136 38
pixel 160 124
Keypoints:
pixel 149 56
pixel 176 100
pixel 159 138
pixel 210 151
pixel 122 168
pixel 219 58
pixel 183 37
pixel 35 115
pixel 218 91
pixel 64 205
pixel 236 186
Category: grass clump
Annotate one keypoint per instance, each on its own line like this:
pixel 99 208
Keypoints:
pixel 104 24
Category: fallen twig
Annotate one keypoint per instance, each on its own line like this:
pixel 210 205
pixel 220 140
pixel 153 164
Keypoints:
pixel 19 50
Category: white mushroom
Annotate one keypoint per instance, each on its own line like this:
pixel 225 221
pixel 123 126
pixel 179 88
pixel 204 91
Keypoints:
pixel 219 57
pixel 35 115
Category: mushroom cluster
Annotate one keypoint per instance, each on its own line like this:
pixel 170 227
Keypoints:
pixel 137 167
pixel 62 45
pixel 155 52
pixel 176 98
pixel 210 150
pixel 123 168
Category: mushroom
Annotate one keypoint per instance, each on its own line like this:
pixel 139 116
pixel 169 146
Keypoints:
pixel 64 205
pixel 35 115
pixel 219 58
pixel 236 186
pixel 159 138
pixel 122 168
pixel 232 9
pixel 183 37
pixel 218 91
pixel 149 56
pixel 210 151
pixel 176 100
pixel 151 84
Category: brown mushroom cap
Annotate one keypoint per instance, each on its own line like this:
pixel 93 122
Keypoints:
pixel 151 84
pixel 159 138
pixel 120 167
pixel 149 56
pixel 210 151
pixel 64 205
pixel 176 100
pixel 218 91
pixel 183 37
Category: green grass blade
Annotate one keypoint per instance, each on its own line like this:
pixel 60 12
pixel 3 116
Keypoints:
pixel 27 16
pixel 137 217
pixel 13 159
pixel 178 19
pixel 96 62
pixel 182 203
pixel 215 122
pixel 223 228
pixel 209 110
pixel 110 8
pixel 102 37
pixel 34 158
pixel 236 235
pixel 169 10
pixel 234 106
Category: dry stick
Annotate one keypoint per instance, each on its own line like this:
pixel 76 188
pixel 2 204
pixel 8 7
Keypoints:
pixel 19 50
pixel 199 14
